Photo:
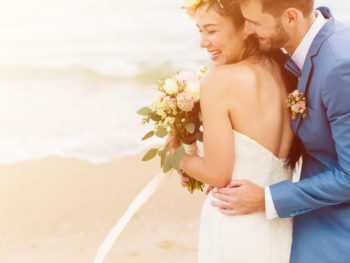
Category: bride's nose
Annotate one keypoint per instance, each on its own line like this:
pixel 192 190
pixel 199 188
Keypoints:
pixel 204 41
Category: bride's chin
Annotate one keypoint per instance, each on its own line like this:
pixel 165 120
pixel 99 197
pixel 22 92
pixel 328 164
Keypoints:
pixel 217 63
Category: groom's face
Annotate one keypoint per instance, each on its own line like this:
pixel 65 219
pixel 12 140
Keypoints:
pixel 267 28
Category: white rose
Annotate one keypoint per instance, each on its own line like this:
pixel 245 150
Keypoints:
pixel 190 3
pixel 171 86
pixel 193 88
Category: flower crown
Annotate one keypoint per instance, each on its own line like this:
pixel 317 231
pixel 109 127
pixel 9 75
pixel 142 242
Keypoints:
pixel 191 5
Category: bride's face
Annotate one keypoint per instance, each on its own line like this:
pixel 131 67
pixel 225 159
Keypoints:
pixel 219 36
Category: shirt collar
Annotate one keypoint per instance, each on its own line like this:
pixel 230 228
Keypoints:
pixel 300 53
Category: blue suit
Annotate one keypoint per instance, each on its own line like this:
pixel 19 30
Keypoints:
pixel 320 202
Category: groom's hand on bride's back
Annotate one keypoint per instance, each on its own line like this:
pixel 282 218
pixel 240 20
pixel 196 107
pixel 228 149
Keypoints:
pixel 239 197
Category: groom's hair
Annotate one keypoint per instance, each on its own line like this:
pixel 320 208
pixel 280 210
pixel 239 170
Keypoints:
pixel 277 7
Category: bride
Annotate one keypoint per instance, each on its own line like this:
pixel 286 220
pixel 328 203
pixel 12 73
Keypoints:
pixel 247 136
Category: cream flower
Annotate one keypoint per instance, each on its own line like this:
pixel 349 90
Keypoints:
pixel 296 93
pixel 295 108
pixel 169 120
pixel 171 86
pixel 193 88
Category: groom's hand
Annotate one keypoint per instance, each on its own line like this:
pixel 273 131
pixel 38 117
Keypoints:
pixel 240 197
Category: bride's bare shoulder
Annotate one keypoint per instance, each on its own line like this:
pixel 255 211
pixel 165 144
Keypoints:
pixel 229 78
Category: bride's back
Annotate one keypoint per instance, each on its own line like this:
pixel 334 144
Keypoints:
pixel 257 103
pixel 252 102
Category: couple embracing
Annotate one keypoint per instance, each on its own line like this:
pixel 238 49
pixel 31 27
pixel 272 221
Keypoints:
pixel 252 140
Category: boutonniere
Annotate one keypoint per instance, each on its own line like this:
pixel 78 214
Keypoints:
pixel 297 103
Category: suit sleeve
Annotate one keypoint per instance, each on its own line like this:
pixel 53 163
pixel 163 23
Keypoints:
pixel 331 187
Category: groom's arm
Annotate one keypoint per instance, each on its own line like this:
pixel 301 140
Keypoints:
pixel 331 187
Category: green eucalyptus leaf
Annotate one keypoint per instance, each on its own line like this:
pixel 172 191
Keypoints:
pixel 148 135
pixel 200 116
pixel 167 164
pixel 190 127
pixel 150 154
pixel 162 155
pixel 177 157
pixel 145 111
pixel 161 132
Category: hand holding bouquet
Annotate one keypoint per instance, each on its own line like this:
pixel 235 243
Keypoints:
pixel 176 110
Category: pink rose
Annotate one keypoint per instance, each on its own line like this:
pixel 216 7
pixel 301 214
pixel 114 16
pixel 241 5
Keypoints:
pixel 186 76
pixel 185 101
pixel 301 104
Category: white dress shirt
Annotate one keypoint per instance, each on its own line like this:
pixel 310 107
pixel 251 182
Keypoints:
pixel 298 57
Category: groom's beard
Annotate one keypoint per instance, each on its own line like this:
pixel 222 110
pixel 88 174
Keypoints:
pixel 277 40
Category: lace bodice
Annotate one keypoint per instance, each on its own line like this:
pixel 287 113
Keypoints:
pixel 247 238
pixel 255 163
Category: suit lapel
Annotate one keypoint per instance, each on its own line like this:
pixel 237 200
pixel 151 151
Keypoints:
pixel 306 74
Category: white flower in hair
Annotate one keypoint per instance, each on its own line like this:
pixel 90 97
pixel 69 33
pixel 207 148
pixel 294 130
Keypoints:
pixel 191 3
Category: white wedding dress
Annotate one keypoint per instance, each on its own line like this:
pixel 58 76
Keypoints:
pixel 247 238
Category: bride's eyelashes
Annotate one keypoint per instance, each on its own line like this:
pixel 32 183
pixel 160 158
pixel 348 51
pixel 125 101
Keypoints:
pixel 209 31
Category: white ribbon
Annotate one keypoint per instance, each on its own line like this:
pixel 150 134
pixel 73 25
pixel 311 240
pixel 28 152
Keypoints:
pixel 191 149
pixel 140 199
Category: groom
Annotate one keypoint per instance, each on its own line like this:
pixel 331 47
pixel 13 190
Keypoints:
pixel 320 57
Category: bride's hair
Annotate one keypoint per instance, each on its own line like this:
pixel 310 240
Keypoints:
pixel 229 9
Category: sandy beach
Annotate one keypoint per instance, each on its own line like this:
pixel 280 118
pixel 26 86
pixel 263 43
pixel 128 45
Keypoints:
pixel 60 210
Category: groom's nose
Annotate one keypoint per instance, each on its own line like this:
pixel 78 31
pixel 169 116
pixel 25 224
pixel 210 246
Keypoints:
pixel 249 28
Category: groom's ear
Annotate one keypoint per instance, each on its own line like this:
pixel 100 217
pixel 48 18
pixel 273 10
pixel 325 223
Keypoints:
pixel 291 17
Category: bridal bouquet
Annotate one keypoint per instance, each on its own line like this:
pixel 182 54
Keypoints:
pixel 176 109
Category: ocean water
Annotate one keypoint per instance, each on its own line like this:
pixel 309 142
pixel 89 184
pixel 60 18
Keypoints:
pixel 73 73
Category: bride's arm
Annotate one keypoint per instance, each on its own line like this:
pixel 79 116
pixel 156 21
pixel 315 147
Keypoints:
pixel 216 167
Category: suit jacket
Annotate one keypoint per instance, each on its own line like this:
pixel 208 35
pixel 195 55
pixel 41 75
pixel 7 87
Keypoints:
pixel 320 201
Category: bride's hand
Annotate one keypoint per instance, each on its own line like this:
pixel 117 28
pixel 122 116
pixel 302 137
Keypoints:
pixel 172 143
pixel 184 179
